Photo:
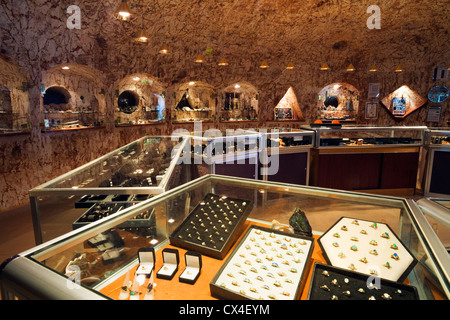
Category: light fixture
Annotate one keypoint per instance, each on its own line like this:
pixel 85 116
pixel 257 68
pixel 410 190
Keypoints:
pixel 324 67
pixel 143 36
pixel 290 66
pixel 373 68
pixel 136 79
pixel 191 83
pixel 164 48
pixel 65 68
pixel 264 65
pixel 199 58
pixel 399 69
pixel 351 68
pixel 124 12
pixel 223 62
pixel 237 86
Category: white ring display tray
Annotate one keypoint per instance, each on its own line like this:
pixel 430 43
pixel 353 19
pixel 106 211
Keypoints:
pixel 266 264
pixel 367 247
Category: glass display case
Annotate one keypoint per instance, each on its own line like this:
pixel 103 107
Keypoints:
pixel 111 183
pixel 437 213
pixel 100 260
pixel 291 148
pixel 367 158
pixel 438 156
pixel 363 136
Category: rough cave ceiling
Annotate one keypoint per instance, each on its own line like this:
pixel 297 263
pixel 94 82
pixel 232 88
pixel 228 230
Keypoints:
pixel 244 32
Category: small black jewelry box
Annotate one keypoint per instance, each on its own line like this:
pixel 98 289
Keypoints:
pixel 146 261
pixel 171 259
pixel 193 267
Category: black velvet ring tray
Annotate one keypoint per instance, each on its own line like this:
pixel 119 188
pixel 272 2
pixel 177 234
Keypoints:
pixel 101 210
pixel 213 225
pixel 89 200
pixel 348 289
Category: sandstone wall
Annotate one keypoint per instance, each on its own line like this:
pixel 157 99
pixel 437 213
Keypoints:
pixel 35 37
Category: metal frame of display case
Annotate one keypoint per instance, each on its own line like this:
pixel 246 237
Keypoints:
pixel 296 135
pixel 368 147
pixel 24 276
pixel 346 129
pixel 432 148
pixel 436 212
pixel 50 188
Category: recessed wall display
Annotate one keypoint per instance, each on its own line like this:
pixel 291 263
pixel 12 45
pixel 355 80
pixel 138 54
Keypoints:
pixel 141 100
pixel 71 98
pixel 338 101
pixel 438 93
pixel 194 101
pixel 288 107
pixel 128 102
pixel 403 101
pixel 239 102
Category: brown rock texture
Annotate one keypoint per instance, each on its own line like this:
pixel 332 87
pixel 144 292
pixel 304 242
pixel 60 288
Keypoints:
pixel 36 43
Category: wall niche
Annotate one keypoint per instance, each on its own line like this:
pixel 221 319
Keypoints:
pixel 338 101
pixel 194 101
pixel 14 98
pixel 239 102
pixel 140 100
pixel 73 98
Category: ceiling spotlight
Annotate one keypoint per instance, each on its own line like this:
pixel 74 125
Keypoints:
pixel 290 66
pixel 399 69
pixel 143 36
pixel 324 67
pixel 264 65
pixel 124 12
pixel 199 58
pixel 373 68
pixel 164 48
pixel 351 68
pixel 223 62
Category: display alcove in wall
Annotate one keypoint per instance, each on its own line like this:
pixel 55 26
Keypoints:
pixel 195 101
pixel 338 101
pixel 56 99
pixel 5 108
pixel 239 102
pixel 128 102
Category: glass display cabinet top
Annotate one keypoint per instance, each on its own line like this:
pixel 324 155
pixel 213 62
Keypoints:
pixel 439 136
pixel 107 248
pixel 368 136
pixel 144 163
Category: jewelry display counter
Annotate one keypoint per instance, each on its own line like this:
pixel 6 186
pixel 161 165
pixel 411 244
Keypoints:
pixel 367 158
pixel 107 185
pixel 276 260
pixel 437 213
pixel 437 174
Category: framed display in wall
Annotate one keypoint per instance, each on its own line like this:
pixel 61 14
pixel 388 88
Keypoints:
pixel 371 110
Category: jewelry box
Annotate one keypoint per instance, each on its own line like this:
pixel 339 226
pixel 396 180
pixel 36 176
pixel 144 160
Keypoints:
pixel 171 259
pixel 333 283
pixel 193 267
pixel 212 226
pixel 146 261
pixel 266 264
pixel 367 247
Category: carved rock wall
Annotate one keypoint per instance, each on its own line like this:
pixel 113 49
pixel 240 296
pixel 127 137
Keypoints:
pixel 35 38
